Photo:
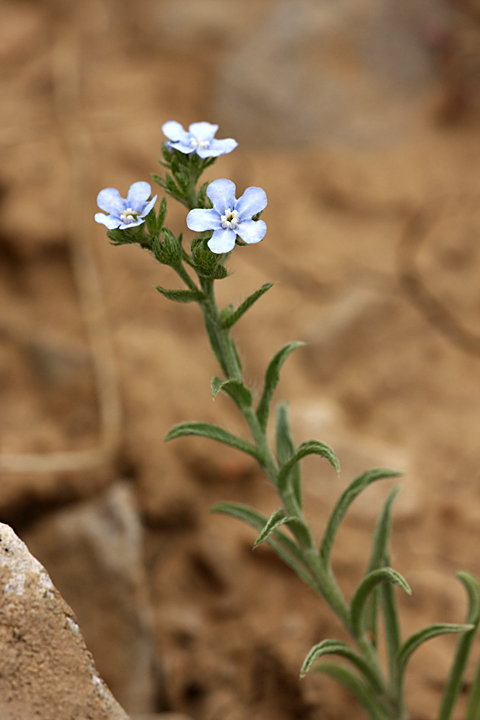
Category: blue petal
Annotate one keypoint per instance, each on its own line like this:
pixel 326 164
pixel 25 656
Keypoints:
pixel 218 147
pixel 222 194
pixel 125 226
pixel 138 195
pixel 111 201
pixel 174 131
pixel 203 130
pixel 149 206
pixel 252 201
pixel 201 220
pixel 252 231
pixel 108 220
pixel 183 147
pixel 222 241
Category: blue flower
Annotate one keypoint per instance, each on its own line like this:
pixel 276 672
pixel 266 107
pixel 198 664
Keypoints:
pixel 127 213
pixel 230 217
pixel 200 138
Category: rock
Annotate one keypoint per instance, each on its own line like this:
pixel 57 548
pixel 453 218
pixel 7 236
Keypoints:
pixel 45 668
pixel 94 554
pixel 323 70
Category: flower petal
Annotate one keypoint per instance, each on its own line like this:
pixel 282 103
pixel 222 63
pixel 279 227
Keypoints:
pixel 108 220
pixel 174 131
pixel 149 206
pixel 182 147
pixel 126 226
pixel 252 231
pixel 138 195
pixel 222 194
pixel 218 147
pixel 222 241
pixel 203 130
pixel 253 200
pixel 111 201
pixel 201 220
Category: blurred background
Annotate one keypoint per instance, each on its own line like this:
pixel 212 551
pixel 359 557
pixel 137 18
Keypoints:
pixel 361 120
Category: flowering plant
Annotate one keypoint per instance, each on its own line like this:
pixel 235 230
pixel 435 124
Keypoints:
pixel 221 222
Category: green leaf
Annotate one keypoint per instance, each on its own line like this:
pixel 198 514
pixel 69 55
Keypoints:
pixel 286 449
pixel 182 296
pixel 431 631
pixel 162 212
pixel 246 304
pixel 272 376
pixel 281 543
pixel 280 517
pixel 239 393
pixel 357 686
pixel 346 499
pixel 212 332
pixel 464 645
pixel 473 705
pixel 368 584
pixel 311 447
pixel 274 521
pixel 213 432
pixel 378 558
pixel 337 647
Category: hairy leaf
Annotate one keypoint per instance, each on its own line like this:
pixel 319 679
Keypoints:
pixel 240 394
pixel 337 647
pixel 311 447
pixel 272 376
pixel 232 318
pixel 213 432
pixel 431 631
pixel 286 449
pixel 281 543
pixel 368 584
pixel 346 499
pixel 182 296
pixel 357 686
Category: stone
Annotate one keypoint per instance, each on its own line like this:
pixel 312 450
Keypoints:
pixel 45 668
pixel 94 553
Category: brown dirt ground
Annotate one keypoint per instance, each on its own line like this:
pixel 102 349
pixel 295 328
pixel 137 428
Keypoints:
pixel 377 259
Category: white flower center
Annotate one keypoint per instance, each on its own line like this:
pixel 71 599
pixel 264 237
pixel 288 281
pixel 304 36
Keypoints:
pixel 129 216
pixel 199 144
pixel 230 220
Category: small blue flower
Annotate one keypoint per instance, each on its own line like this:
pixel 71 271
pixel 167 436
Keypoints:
pixel 127 213
pixel 230 217
pixel 200 138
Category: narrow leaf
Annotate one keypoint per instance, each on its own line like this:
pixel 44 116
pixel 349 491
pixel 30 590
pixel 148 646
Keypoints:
pixel 274 521
pixel 214 433
pixel 337 647
pixel 346 499
pixel 357 686
pixel 286 449
pixel 432 631
pixel 281 543
pixel 378 559
pixel 279 517
pixel 368 584
pixel 464 645
pixel 212 332
pixel 240 394
pixel 232 318
pixel 182 296
pixel 473 705
pixel 272 376
pixel 392 627
pixel 311 447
